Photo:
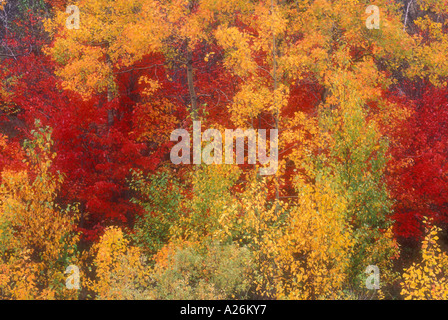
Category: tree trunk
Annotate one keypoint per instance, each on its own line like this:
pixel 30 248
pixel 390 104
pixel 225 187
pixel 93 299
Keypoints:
pixel 190 81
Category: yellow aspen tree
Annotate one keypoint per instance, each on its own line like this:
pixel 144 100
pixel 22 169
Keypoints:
pixel 37 238
pixel 120 268
pixel 427 280
pixel 355 164
pixel 315 248
pixel 253 221
pixel 110 37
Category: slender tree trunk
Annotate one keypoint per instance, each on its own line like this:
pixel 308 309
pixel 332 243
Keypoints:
pixel 193 97
pixel 190 82
pixel 276 112
pixel 110 96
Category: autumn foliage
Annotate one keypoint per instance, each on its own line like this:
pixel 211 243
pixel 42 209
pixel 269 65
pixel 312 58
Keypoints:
pixel 86 116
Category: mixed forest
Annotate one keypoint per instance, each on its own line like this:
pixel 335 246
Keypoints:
pixel 92 207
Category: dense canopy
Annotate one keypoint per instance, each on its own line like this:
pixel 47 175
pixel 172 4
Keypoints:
pixel 92 90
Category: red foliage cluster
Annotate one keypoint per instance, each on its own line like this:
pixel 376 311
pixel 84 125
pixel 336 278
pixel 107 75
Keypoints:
pixel 419 184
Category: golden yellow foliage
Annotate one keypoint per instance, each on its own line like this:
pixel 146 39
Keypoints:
pixel 112 35
pixel 315 249
pixel 37 238
pixel 120 268
pixel 302 250
pixel 427 280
